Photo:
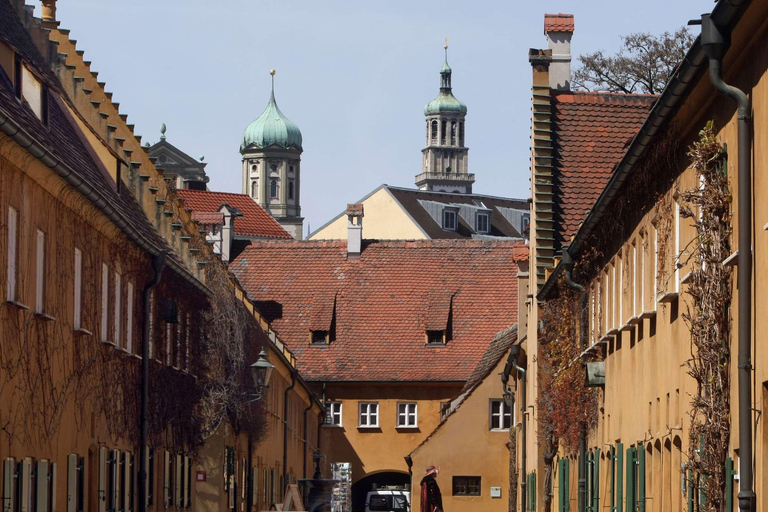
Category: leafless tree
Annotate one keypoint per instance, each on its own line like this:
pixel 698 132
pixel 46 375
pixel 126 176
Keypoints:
pixel 643 65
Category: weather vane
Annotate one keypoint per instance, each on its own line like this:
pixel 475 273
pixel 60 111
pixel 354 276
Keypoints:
pixel 446 43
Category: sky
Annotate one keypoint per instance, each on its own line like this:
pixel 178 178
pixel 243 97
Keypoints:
pixel 354 76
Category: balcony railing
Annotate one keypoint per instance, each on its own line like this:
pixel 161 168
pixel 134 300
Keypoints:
pixel 453 176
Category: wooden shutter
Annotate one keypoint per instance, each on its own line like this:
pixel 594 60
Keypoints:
pixel 125 501
pixel 166 477
pixel 178 474
pixel 78 288
pixel 9 483
pixel 117 485
pixel 13 222
pixel 41 486
pixel 596 481
pixel 40 274
pixel 187 487
pixel 72 482
pixel 619 477
pixel 104 302
pixel 53 484
pixel 102 480
pixel 729 472
pixel 25 481
pixel 631 496
pixel 255 486
pixel 640 479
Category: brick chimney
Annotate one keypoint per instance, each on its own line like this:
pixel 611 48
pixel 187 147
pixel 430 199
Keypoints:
pixel 354 230
pixel 559 28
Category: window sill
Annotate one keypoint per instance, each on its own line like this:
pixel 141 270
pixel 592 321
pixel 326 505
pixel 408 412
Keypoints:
pixel 498 430
pixel 668 297
pixel 334 426
pixel 46 317
pixel 107 342
pixel 369 427
pixel 648 314
pixel 687 278
pixel 407 427
pixel 83 332
pixel 635 320
pixel 435 345
pixel 17 304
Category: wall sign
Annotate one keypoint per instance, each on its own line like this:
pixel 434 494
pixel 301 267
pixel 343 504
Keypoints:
pixel 200 476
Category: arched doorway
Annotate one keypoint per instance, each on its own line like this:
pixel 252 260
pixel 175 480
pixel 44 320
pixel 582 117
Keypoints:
pixel 362 487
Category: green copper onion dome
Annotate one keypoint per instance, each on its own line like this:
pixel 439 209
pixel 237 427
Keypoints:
pixel 445 102
pixel 272 128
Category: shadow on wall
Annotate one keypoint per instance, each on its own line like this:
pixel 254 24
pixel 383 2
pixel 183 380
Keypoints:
pixel 361 488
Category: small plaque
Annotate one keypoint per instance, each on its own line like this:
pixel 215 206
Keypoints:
pixel 495 492
pixel 200 476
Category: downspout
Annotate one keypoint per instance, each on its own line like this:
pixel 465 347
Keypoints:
pixel 567 261
pixel 285 431
pixel 306 436
pixel 715 44
pixel 512 363
pixel 158 264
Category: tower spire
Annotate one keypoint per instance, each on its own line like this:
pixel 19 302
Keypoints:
pixel 445 71
pixel 272 72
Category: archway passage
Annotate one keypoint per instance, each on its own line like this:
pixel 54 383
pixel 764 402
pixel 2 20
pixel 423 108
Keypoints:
pixel 362 487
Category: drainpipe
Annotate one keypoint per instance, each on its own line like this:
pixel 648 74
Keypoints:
pixel 715 44
pixel 158 264
pixel 285 430
pixel 512 363
pixel 568 266
pixel 306 437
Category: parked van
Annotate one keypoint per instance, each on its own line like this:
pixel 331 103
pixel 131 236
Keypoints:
pixel 388 499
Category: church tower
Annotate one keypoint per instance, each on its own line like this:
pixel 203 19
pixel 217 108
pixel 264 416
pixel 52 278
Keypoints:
pixel 445 159
pixel 271 150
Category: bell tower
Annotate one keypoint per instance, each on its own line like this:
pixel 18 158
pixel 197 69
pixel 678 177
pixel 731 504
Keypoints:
pixel 445 158
pixel 271 150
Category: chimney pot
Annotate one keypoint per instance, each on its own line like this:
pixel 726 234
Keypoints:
pixel 354 229
pixel 559 29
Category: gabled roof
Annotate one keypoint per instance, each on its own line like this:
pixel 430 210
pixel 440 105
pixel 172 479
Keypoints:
pixel 384 302
pixel 591 131
pixel 163 147
pixel 255 222
pixel 500 345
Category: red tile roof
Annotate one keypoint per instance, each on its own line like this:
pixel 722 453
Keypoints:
pixel 384 302
pixel 255 220
pixel 558 22
pixel 591 131
pixel 208 218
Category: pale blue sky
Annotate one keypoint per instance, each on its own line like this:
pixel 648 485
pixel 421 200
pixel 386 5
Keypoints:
pixel 354 76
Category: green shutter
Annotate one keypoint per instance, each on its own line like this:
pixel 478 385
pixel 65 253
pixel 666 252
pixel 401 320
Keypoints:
pixel 641 479
pixel 619 477
pixel 533 491
pixel 596 481
pixel 630 480
pixel 690 491
pixel 567 485
pixel 729 484
pixel 612 469
pixel 560 485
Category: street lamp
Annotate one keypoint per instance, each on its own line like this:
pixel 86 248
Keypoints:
pixel 261 371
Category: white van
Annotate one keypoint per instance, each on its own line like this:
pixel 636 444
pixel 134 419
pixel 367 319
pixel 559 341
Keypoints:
pixel 384 500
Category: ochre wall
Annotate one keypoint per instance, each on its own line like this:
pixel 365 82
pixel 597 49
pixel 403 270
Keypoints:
pixel 384 219
pixel 464 445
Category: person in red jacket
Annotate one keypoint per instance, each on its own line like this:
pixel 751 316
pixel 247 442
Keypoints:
pixel 431 499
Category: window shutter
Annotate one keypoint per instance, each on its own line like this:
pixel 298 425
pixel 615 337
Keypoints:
pixel 619 477
pixel 118 311
pixel 567 463
pixel 690 491
pixel 102 480
pixel 729 484
pixel 12 253
pixel 78 288
pixel 630 476
pixel 188 482
pixel 179 471
pixel 117 501
pixel 166 477
pixel 104 302
pixel 25 481
pixel 9 487
pixel 561 485
pixel 129 318
pixel 40 274
pixel 54 480
pixel 125 498
pixel 596 481
pixel 640 479
pixel 255 486
pixel 612 470
pixel 41 486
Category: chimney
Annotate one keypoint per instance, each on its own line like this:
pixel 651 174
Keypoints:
pixel 228 231
pixel 354 230
pixel 559 28
pixel 48 10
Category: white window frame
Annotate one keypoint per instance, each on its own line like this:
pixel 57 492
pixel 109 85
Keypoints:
pixel 676 259
pixel 405 412
pixel 118 309
pixel 129 317
pixel 78 313
pixel 334 412
pixel 487 220
pixel 40 273
pixel 368 411
pixel 13 254
pixel 104 303
pixel 503 412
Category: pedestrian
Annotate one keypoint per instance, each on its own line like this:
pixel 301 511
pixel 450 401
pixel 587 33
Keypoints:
pixel 431 499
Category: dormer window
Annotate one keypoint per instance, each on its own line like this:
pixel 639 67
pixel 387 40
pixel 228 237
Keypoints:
pixel 483 222
pixel 320 337
pixel 450 219
pixel 435 337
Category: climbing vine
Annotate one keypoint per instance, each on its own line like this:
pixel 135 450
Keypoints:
pixel 708 318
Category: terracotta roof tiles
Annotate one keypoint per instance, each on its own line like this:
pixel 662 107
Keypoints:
pixel 255 222
pixel 558 22
pixel 384 302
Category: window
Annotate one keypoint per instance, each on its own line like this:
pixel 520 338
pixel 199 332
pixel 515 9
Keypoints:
pixel 435 337
pixel 129 318
pixel 40 274
pixel 254 188
pixel 406 414
pixel 483 223
pixel 333 414
pixel 434 131
pixel 453 133
pixel 78 288
pixel 118 311
pixel 369 414
pixel 501 416
pixel 13 221
pixel 273 188
pixel 319 337
pixel 290 190
pixel 104 302
pixel 461 133
pixel 466 486
pixel 449 219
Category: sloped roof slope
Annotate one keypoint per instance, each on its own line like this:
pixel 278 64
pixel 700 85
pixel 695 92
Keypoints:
pixel 255 221
pixel 591 131
pixel 383 303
